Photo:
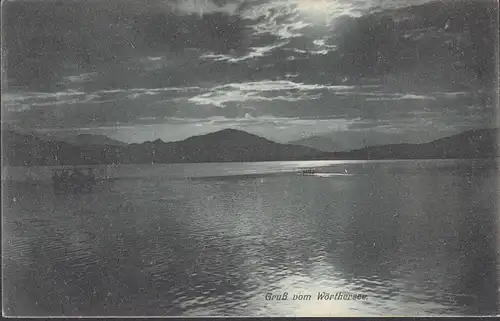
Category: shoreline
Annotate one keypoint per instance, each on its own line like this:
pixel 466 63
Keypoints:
pixel 336 161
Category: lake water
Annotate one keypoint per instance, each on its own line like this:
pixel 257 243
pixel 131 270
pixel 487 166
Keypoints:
pixel 415 237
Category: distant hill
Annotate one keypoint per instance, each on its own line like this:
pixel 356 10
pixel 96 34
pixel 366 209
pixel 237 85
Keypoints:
pixel 357 139
pixel 227 145
pixel 69 137
pixel 31 150
pixel 467 145
pixel 322 143
pixel 230 145
pixel 91 139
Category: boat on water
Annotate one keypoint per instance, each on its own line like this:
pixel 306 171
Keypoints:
pixel 73 180
pixel 309 171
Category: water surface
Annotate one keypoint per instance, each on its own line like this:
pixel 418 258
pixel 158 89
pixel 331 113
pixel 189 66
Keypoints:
pixel 416 237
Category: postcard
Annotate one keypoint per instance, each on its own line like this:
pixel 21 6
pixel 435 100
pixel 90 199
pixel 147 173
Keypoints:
pixel 268 158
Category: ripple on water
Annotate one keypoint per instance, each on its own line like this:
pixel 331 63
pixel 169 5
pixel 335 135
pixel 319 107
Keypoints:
pixel 17 245
pixel 217 247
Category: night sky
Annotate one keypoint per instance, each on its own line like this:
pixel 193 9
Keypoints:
pixel 283 69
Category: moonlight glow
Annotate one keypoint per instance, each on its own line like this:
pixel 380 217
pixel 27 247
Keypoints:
pixel 323 11
pixel 316 7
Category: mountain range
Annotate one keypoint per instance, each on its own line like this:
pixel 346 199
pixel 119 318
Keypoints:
pixel 228 145
pixel 91 139
pixel 470 144
pixel 357 139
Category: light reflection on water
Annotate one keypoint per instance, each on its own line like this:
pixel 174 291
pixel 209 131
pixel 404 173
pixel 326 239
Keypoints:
pixel 417 239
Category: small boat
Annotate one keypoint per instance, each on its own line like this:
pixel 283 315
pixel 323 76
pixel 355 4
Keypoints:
pixel 309 171
pixel 73 180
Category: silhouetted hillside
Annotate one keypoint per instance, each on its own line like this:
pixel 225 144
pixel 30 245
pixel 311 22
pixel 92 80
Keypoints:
pixel 231 145
pixel 235 145
pixel 358 139
pixel 325 144
pixel 227 145
pixel 29 150
pixel 91 139
pixel 467 145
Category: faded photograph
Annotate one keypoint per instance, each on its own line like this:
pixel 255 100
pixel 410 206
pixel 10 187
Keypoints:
pixel 250 158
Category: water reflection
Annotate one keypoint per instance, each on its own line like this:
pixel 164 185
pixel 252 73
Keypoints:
pixel 415 241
